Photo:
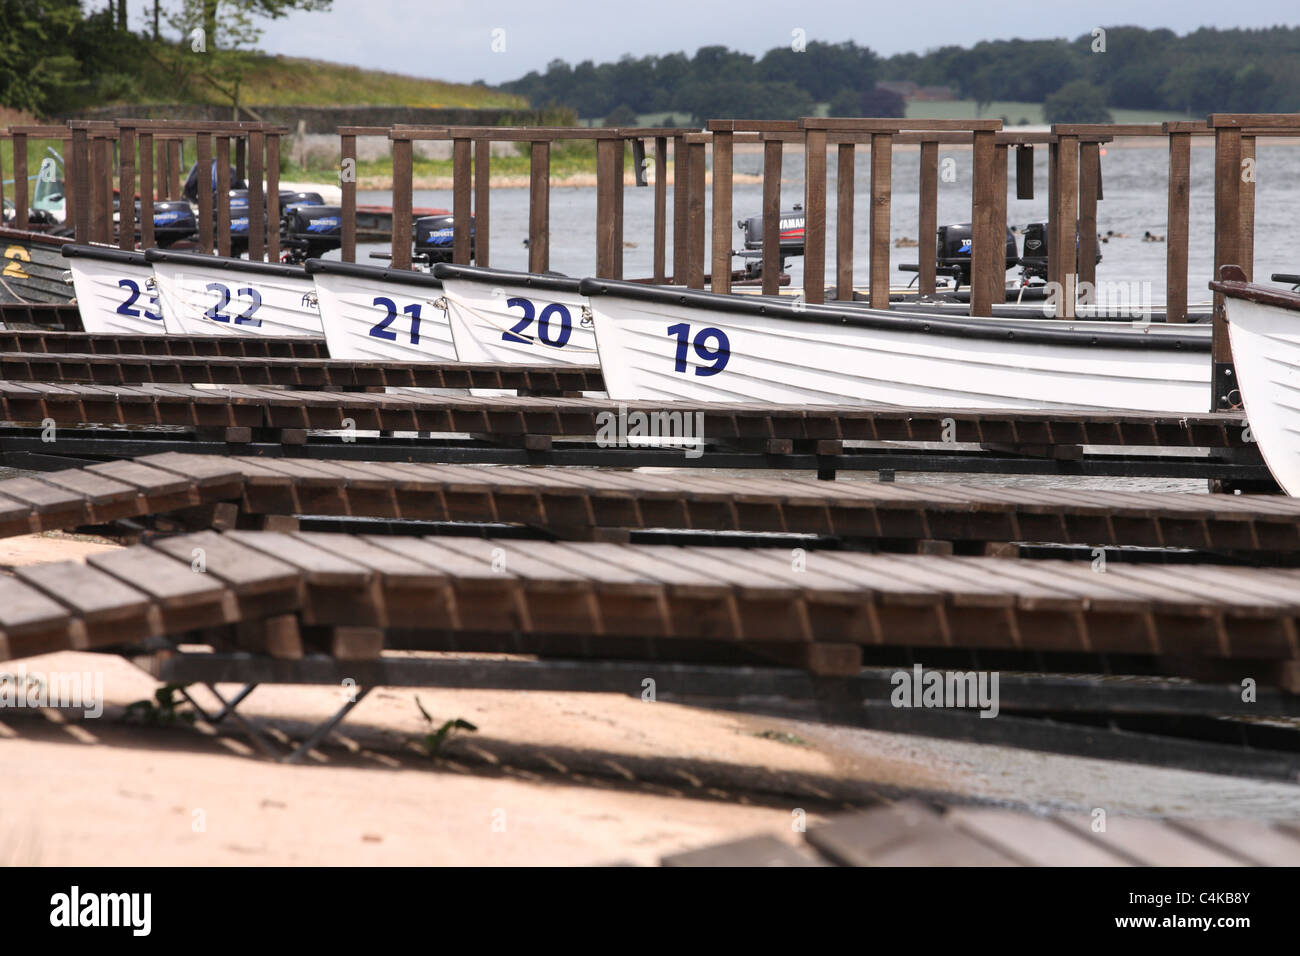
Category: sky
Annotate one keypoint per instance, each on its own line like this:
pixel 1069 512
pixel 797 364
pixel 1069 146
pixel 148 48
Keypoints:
pixel 453 39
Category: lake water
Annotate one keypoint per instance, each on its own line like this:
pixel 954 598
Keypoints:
pixel 1135 183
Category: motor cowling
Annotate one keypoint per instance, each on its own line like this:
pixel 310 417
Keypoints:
pixel 954 250
pixel 435 236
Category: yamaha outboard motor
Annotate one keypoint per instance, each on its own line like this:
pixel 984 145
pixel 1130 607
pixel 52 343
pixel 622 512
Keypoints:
pixel 434 236
pixel 792 224
pixel 308 231
pixel 1034 261
pixel 954 251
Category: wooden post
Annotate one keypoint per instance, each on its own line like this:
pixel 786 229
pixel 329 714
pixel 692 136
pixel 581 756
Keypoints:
pixel 882 153
pixel 402 221
pixel 620 163
pixel 223 194
pixel 844 196
pixel 160 169
pixel 1246 253
pixel 126 189
pixel 986 254
pixel 1089 182
pixel 772 150
pixel 461 189
pixel 272 197
pixel 203 147
pixel 695 215
pixel 22 201
pixel 103 186
pixel 1227 251
pixel 175 158
pixel 482 201
pixel 605 208
pixel 814 212
pixel 1053 214
pixel 928 222
pixel 722 175
pixel 1025 171
pixel 998 277
pixel 257 196
pixel 79 173
pixel 539 207
pixel 348 190
pixel 1176 226
pixel 681 194
pixel 1067 196
pixel 146 189
pixel 661 209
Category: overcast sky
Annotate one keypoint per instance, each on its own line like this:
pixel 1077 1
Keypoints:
pixel 452 39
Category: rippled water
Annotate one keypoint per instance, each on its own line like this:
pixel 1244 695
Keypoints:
pixel 1135 183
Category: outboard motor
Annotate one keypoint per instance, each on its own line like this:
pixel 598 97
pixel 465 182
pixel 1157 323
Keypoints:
pixel 434 237
pixel 1034 261
pixel 290 198
pixel 174 220
pixel 239 222
pixel 954 251
pixel 792 224
pixel 308 231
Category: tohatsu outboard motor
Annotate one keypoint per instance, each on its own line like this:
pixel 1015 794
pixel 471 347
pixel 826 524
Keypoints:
pixel 1034 260
pixel 954 251
pixel 434 237
pixel 174 220
pixel 792 224
pixel 308 231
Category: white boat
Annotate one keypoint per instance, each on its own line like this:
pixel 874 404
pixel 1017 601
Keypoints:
pixel 681 344
pixel 517 318
pixel 1264 329
pixel 374 312
pixel 216 295
pixel 115 290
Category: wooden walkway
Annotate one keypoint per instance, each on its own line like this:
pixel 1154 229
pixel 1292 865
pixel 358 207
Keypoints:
pixel 296 372
pixel 777 428
pixel 575 503
pixel 234 346
pixel 815 611
pixel 914 834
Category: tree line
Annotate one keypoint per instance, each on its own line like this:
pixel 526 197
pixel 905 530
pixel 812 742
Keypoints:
pixel 1122 67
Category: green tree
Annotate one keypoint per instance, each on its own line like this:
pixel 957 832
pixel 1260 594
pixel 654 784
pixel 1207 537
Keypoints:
pixel 1077 102
pixel 36 61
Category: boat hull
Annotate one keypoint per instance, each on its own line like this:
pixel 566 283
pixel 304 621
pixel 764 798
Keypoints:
pixel 33 268
pixel 204 295
pixel 1266 356
pixel 381 314
pixel 517 318
pixel 117 297
pixel 673 344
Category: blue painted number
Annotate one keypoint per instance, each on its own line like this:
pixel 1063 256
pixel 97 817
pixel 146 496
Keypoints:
pixel 380 329
pixel 719 354
pixel 544 330
pixel 125 307
pixel 216 312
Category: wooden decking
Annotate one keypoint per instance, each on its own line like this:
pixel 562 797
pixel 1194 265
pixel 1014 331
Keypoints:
pixel 187 405
pixel 914 834
pixel 815 610
pixel 587 502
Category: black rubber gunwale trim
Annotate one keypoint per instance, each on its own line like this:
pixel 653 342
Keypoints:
pixel 226 263
pixel 532 280
pixel 133 257
pixel 373 273
pixel 980 329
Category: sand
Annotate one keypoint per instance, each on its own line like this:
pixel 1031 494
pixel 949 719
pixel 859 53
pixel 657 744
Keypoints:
pixel 546 779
